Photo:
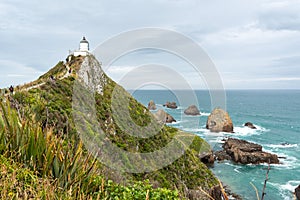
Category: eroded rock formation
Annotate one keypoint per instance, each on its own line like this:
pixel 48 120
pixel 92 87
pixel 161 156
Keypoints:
pixel 164 117
pixel 219 121
pixel 171 105
pixel 244 152
pixel 192 110
pixel 151 105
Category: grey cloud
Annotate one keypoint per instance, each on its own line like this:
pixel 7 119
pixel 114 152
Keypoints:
pixel 283 15
pixel 38 34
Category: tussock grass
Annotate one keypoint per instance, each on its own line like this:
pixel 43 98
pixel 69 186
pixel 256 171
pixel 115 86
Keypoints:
pixel 39 164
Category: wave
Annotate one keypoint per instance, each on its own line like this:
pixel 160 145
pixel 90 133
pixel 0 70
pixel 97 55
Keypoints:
pixel 286 190
pixel 282 146
pixel 238 131
pixel 245 131
pixel 216 134
pixel 218 140
pixel 236 167
pixel 204 114
pixel 286 161
pixel 195 129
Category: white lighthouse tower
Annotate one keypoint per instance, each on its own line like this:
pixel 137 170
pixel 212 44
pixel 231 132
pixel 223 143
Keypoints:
pixel 83 48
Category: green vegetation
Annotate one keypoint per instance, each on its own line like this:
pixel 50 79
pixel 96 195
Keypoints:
pixel 58 71
pixel 39 164
pixel 39 142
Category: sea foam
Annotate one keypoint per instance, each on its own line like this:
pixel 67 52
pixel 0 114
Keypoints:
pixel 282 146
pixel 286 190
pixel 245 131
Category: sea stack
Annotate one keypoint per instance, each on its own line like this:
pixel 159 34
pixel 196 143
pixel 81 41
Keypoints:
pixel 171 105
pixel 219 121
pixel 151 105
pixel 163 117
pixel 192 110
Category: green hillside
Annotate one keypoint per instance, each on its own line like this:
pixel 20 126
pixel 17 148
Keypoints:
pixel 42 155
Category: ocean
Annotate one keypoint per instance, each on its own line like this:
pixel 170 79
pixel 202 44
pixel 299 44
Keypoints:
pixel 275 113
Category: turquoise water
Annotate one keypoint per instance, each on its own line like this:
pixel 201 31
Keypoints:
pixel 276 113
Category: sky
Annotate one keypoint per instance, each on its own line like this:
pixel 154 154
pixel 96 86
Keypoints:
pixel 253 44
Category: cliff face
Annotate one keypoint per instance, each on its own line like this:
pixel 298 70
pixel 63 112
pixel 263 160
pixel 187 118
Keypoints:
pixel 129 143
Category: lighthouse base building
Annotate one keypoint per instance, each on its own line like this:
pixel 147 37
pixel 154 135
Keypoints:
pixel 83 48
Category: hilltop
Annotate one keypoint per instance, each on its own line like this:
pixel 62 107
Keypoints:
pixel 40 143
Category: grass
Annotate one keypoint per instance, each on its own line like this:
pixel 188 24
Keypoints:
pixel 39 164
pixel 40 136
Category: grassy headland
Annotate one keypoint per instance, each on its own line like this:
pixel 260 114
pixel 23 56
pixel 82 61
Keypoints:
pixel 42 155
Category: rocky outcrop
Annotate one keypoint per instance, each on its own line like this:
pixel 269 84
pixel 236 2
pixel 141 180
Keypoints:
pixel 163 117
pixel 219 121
pixel 244 152
pixel 171 105
pixel 207 157
pixel 249 125
pixel 151 105
pixel 217 194
pixel 297 192
pixel 192 110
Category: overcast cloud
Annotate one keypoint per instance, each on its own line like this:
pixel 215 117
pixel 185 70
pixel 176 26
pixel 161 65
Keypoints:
pixel 254 44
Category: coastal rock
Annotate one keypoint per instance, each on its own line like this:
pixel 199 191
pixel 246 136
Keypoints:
pixel 222 155
pixel 297 192
pixel 244 152
pixel 151 105
pixel 216 193
pixel 192 110
pixel 163 117
pixel 207 157
pixel 171 105
pixel 219 121
pixel 249 125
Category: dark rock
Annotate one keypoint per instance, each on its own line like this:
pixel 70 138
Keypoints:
pixel 222 155
pixel 297 192
pixel 216 193
pixel 249 125
pixel 219 121
pixel 192 110
pixel 207 157
pixel 244 152
pixel 151 105
pixel 284 143
pixel 171 105
pixel 164 117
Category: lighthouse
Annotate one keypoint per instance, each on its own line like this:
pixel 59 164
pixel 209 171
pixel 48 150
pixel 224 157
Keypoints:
pixel 83 48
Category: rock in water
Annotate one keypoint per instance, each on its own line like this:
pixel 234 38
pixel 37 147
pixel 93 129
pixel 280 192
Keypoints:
pixel 171 105
pixel 192 110
pixel 151 105
pixel 249 125
pixel 244 152
pixel 219 121
pixel 297 192
pixel 164 117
